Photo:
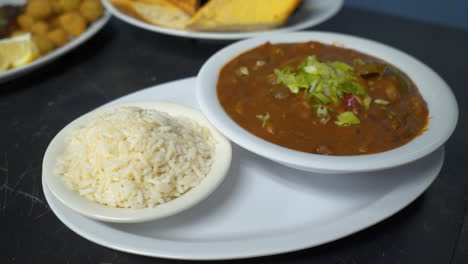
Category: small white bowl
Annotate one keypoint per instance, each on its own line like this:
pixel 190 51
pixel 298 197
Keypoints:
pixel 443 110
pixel 101 212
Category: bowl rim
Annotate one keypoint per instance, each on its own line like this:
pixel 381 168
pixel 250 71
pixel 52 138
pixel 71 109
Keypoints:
pixel 72 200
pixel 443 113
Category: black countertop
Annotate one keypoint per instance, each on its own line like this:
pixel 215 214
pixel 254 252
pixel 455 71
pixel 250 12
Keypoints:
pixel 122 59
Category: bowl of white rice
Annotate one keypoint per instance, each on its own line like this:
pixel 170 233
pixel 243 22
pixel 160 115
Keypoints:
pixel 136 161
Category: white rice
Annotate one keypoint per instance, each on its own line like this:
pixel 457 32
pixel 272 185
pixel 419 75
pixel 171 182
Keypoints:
pixel 136 158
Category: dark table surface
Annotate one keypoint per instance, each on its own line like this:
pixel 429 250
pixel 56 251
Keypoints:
pixel 122 59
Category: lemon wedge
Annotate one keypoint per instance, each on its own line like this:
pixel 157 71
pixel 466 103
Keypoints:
pixel 18 50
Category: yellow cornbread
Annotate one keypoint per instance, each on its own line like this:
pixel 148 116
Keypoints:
pixel 242 15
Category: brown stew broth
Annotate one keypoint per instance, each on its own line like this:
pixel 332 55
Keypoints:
pixel 294 124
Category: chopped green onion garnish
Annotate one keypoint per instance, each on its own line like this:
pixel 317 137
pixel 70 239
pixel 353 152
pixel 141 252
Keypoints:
pixel 313 85
pixel 362 149
pixel 260 63
pixel 324 81
pixel 381 101
pixel 358 61
pixel 310 69
pixel 347 118
pixel 264 118
pixel 244 70
pixel 322 98
pixel 287 78
pixel 321 110
pixel 367 102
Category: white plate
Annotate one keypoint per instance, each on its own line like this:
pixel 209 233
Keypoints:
pixel 310 13
pixel 41 61
pixel 262 207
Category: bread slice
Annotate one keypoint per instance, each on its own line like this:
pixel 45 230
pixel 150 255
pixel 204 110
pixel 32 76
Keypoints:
pixel 189 6
pixel 242 15
pixel 157 12
pixel 125 6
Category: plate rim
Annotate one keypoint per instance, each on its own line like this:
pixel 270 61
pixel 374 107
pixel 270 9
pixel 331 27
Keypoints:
pixel 387 199
pixel 219 35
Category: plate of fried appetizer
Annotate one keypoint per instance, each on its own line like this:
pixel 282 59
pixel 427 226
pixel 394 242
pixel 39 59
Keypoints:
pixel 223 19
pixel 34 32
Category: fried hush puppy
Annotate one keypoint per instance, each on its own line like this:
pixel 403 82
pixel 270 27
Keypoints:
pixel 91 10
pixel 43 44
pixel 58 36
pixel 39 9
pixel 54 22
pixel 25 22
pixel 40 28
pixel 73 23
pixel 69 5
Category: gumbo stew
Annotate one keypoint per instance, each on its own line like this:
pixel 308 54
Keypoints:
pixel 322 99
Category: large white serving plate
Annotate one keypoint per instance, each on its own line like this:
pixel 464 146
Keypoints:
pixel 43 60
pixel 309 13
pixel 262 207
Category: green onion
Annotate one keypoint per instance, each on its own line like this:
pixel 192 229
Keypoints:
pixel 358 61
pixel 367 102
pixel 310 69
pixel 381 101
pixel 244 70
pixel 323 81
pixel 321 110
pixel 287 78
pixel 260 63
pixel 264 118
pixel 313 85
pixel 347 118
pixel 322 98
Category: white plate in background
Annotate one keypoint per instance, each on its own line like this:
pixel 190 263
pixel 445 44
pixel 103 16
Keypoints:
pixel 262 207
pixel 56 53
pixel 309 13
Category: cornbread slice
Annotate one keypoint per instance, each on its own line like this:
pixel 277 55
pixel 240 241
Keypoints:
pixel 189 6
pixel 157 12
pixel 242 15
